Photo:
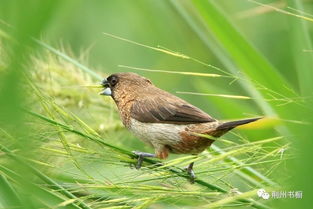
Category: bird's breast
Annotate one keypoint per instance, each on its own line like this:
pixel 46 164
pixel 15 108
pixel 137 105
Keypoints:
pixel 156 133
pixel 176 138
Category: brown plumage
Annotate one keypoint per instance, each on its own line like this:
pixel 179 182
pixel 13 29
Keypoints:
pixel 164 121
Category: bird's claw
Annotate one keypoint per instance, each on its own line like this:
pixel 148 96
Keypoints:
pixel 192 176
pixel 191 173
pixel 141 156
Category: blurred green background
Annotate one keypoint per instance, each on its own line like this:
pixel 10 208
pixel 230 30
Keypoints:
pixel 262 52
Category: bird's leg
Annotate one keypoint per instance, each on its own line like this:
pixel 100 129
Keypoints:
pixel 191 173
pixel 141 156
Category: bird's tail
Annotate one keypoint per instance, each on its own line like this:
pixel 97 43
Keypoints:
pixel 227 126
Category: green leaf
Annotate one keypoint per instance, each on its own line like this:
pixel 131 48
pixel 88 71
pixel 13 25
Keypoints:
pixel 8 196
pixel 301 40
pixel 246 57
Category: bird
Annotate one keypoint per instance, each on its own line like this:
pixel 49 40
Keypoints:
pixel 162 120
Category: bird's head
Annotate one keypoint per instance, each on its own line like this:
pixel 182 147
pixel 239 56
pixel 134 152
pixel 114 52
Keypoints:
pixel 120 84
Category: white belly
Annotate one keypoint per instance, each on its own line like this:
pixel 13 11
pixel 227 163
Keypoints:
pixel 156 134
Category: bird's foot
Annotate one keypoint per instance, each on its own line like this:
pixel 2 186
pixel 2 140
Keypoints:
pixel 141 156
pixel 191 173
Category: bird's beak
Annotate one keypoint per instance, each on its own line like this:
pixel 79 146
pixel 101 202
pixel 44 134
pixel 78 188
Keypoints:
pixel 107 90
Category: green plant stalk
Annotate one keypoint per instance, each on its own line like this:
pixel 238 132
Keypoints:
pixel 252 63
pixel 9 197
pixel 220 51
pixel 34 188
pixel 61 135
pixel 46 179
pixel 301 40
pixel 177 171
pixel 69 59
pixel 247 169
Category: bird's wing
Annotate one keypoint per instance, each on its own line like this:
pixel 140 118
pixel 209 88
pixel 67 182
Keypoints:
pixel 167 108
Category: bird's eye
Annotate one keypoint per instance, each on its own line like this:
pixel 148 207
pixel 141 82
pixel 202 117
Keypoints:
pixel 113 81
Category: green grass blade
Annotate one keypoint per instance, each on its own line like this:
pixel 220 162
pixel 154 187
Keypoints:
pixel 69 59
pixel 197 26
pixel 246 57
pixel 248 169
pixel 172 169
pixel 173 72
pixel 8 196
pixel 53 184
pixel 300 40
pixel 44 197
